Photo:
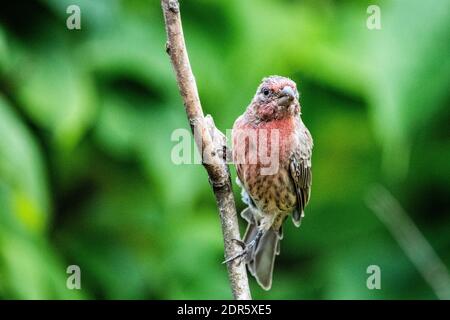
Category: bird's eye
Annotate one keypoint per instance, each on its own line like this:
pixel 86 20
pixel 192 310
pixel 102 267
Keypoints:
pixel 266 92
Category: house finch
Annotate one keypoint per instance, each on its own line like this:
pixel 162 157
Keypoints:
pixel 272 154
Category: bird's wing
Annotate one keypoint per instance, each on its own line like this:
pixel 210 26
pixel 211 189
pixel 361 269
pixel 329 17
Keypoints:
pixel 300 169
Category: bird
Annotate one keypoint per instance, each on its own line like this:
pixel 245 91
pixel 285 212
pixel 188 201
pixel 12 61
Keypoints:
pixel 271 151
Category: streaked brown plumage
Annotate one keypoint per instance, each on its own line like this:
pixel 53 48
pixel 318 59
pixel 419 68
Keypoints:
pixel 275 174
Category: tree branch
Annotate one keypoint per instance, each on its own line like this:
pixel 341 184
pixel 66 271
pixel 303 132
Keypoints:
pixel 210 142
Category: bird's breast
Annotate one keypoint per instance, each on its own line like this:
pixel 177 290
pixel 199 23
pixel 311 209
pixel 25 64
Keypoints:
pixel 265 143
pixel 261 154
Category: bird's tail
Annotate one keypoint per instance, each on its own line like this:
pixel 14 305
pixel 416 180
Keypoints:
pixel 261 258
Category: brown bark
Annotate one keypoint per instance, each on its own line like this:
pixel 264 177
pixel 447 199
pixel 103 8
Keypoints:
pixel 211 144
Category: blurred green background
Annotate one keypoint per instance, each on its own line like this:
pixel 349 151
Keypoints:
pixel 86 118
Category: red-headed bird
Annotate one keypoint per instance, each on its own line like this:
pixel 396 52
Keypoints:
pixel 272 153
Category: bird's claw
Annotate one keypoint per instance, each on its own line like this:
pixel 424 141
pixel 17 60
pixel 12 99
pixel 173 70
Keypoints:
pixel 246 248
pixel 239 242
pixel 240 255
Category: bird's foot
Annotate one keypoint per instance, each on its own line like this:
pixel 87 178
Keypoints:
pixel 246 249
pixel 239 242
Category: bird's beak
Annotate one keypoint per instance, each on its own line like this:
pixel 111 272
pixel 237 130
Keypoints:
pixel 287 95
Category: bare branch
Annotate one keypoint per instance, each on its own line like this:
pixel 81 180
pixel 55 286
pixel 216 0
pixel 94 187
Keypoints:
pixel 211 143
pixel 411 240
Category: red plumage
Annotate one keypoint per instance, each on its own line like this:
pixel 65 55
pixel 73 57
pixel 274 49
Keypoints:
pixel 272 154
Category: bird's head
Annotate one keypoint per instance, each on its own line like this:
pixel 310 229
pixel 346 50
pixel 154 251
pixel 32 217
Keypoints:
pixel 276 98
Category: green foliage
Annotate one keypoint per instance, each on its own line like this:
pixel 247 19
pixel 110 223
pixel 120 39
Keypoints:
pixel 86 118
